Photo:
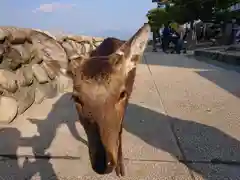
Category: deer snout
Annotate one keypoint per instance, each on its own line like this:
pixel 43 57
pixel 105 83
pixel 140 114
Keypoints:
pixel 104 161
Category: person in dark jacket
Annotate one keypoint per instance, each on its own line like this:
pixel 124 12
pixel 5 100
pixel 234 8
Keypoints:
pixel 166 35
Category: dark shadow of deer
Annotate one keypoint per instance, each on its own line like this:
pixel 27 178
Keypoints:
pixel 206 150
pixel 63 112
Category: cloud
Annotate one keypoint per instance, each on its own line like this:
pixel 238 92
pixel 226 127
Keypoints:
pixel 48 8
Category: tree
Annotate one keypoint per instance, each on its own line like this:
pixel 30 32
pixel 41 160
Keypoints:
pixel 225 16
pixel 190 10
pixel 182 11
pixel 178 14
pixel 157 17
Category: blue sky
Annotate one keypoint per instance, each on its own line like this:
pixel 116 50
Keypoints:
pixel 118 18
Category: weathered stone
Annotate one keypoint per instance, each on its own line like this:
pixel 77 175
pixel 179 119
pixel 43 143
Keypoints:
pixel 16 55
pixel 72 48
pixel 97 43
pixel 74 64
pixel 24 78
pixel 64 84
pixel 1 50
pixel 25 98
pixel 20 78
pixel 76 38
pixel 13 53
pixel 8 109
pixel 49 48
pixel 39 73
pixel 28 74
pixel 46 32
pixel 43 91
pixel 3 34
pixel 11 63
pixel 75 49
pixel 87 47
pixel 39 96
pixel 97 39
pixel 36 56
pixel 8 80
pixel 24 51
pixel 51 73
pixel 18 36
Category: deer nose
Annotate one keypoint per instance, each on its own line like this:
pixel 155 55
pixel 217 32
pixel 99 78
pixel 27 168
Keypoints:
pixel 104 162
pixel 111 160
pixel 111 164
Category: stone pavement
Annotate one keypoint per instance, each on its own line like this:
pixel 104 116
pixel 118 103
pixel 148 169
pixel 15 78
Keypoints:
pixel 182 123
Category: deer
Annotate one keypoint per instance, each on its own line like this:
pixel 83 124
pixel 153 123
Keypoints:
pixel 102 85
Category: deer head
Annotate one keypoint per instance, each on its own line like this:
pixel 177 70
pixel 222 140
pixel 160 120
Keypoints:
pixel 102 86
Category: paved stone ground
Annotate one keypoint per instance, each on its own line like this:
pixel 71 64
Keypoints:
pixel 182 122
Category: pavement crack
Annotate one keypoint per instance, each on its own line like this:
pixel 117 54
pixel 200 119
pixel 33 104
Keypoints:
pixel 155 85
pixel 166 113
pixel 186 162
pixel 4 157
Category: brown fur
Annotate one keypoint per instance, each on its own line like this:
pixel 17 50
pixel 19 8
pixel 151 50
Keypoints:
pixel 103 83
pixel 107 47
pixel 97 91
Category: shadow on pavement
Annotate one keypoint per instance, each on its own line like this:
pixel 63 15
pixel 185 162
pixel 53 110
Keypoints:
pixel 185 61
pixel 11 139
pixel 225 77
pixel 226 81
pixel 215 63
pixel 205 149
pixel 173 60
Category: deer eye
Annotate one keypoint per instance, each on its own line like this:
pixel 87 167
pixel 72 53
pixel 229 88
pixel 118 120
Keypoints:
pixel 123 95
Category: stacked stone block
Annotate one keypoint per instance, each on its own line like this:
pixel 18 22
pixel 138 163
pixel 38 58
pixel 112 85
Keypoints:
pixel 26 78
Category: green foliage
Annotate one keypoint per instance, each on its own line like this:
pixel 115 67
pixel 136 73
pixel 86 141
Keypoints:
pixel 189 10
pixel 177 14
pixel 225 16
pixel 224 4
pixel 157 17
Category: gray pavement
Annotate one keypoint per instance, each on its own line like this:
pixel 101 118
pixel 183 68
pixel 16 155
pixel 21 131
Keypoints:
pixel 182 123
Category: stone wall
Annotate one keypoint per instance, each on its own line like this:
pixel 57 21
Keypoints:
pixel 26 78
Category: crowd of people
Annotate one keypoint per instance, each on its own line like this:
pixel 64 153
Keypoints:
pixel 171 33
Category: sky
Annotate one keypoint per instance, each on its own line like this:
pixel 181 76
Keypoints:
pixel 116 18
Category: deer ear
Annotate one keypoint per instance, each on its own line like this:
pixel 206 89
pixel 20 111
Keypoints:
pixel 132 50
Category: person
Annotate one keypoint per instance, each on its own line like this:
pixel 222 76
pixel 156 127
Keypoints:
pixel 181 44
pixel 166 35
pixel 179 36
pixel 174 26
pixel 174 38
